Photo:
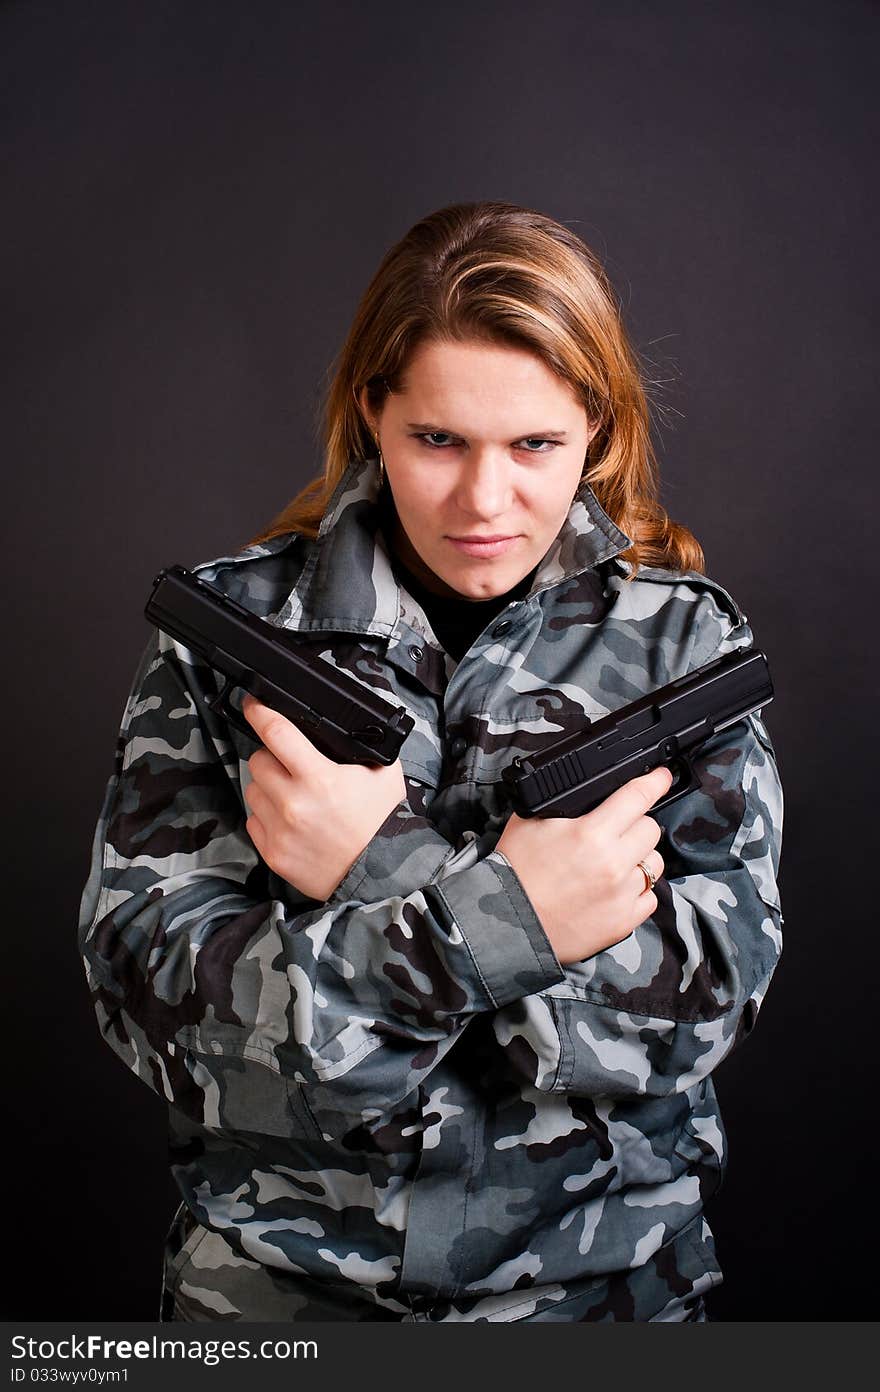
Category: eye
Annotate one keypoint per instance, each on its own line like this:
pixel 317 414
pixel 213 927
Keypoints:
pixel 539 440
pixel 431 443
pixel 429 439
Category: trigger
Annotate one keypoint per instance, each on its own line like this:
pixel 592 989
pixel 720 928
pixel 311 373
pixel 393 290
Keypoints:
pixel 223 706
pixel 218 702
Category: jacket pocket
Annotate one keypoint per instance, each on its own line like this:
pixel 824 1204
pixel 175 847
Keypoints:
pixel 184 1235
pixel 700 1156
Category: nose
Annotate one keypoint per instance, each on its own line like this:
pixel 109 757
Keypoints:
pixel 485 484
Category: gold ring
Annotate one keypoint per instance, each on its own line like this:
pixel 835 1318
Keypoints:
pixel 650 877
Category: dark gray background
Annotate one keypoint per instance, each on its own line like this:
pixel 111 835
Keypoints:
pixel 195 196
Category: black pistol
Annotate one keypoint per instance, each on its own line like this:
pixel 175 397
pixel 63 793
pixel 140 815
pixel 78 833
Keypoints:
pixel 667 726
pixel 344 719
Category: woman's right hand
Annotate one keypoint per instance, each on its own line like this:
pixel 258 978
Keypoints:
pixel 582 874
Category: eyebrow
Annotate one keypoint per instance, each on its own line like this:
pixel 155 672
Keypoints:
pixel 425 427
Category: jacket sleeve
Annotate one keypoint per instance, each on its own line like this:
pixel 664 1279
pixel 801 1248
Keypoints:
pixel 655 1013
pixel 239 1000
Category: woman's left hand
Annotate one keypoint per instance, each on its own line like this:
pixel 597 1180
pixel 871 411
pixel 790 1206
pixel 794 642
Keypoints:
pixel 311 817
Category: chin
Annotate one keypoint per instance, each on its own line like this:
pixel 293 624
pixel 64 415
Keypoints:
pixel 483 586
pixel 479 579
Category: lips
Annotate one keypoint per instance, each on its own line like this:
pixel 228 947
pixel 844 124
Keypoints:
pixel 483 546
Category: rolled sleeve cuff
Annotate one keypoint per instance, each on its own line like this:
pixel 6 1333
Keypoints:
pixel 511 951
pixel 404 854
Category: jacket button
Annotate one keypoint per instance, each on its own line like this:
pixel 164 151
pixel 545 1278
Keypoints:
pixel 416 653
pixel 501 628
pixel 458 747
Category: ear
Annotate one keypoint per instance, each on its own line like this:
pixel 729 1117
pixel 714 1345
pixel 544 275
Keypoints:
pixel 593 428
pixel 363 406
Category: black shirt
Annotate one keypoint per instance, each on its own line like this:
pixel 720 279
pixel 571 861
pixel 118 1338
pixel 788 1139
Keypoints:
pixel 455 620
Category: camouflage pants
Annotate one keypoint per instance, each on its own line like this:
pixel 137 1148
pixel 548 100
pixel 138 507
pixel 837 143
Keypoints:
pixel 205 1279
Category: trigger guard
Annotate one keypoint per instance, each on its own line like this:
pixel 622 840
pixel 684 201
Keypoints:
pixel 222 705
pixel 686 784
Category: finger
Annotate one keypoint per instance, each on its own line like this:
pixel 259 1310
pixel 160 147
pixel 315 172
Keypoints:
pixel 654 862
pixel 624 807
pixel 269 777
pixel 640 840
pixel 256 831
pixel 258 802
pixel 280 736
pixel 645 906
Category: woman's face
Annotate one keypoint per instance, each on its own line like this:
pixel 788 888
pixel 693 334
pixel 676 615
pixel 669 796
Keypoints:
pixel 484 449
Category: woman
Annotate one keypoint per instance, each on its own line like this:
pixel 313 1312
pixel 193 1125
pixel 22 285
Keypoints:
pixel 425 1060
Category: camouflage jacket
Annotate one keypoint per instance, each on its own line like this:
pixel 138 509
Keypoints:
pixel 398 1104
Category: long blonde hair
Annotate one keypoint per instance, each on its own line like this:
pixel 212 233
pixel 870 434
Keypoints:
pixel 503 274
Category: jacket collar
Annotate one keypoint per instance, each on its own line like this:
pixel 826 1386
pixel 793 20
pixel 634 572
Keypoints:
pixel 348 585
